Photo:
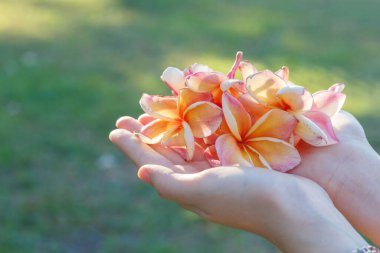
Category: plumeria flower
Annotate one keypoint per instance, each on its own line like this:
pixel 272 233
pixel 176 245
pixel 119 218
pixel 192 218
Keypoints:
pixel 216 83
pixel 262 144
pixel 175 78
pixel 311 111
pixel 180 120
pixel 329 101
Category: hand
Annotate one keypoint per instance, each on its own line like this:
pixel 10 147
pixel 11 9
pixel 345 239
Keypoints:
pixel 275 205
pixel 350 173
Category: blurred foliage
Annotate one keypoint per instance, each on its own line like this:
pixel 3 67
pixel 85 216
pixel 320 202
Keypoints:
pixel 70 68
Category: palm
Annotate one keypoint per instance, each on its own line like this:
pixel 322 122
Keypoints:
pixel 324 165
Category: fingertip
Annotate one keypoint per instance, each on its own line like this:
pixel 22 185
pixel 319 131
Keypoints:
pixel 128 123
pixel 145 119
pixel 116 134
pixel 144 175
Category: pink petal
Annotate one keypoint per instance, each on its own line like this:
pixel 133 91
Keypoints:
pixel 254 158
pixel 246 70
pixel 283 72
pixel 180 138
pixel 338 87
pixel 275 124
pixel 205 81
pixel 196 67
pixel 212 156
pixel 296 98
pixel 239 57
pixel 174 136
pixel 154 131
pixel 263 86
pixel 227 84
pixel 254 108
pixel 189 140
pixel 198 153
pixel 238 120
pixel 229 152
pixel 186 97
pixel 315 128
pixel 278 154
pixel 160 106
pixel 329 102
pixel 145 118
pixel 174 78
pixel 204 118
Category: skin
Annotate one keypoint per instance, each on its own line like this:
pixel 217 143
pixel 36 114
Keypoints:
pixel 350 173
pixel 265 208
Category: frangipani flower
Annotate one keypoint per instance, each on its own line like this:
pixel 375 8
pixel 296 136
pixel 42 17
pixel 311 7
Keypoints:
pixel 175 78
pixel 312 111
pixel 216 83
pixel 179 120
pixel 262 144
pixel 329 101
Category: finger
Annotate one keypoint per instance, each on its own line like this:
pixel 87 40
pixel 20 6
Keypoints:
pixel 181 188
pixel 145 119
pixel 132 125
pixel 129 124
pixel 139 152
pixel 169 154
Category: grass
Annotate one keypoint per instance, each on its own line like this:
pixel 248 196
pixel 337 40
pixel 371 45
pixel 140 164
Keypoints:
pixel 69 69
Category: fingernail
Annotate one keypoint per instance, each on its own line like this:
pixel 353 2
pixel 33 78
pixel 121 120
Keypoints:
pixel 144 176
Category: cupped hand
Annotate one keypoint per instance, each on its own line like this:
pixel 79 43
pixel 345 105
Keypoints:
pixel 274 205
pixel 329 166
pixel 350 173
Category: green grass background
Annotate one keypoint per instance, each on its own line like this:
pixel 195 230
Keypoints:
pixel 70 68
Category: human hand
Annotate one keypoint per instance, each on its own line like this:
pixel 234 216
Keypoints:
pixel 274 205
pixel 350 173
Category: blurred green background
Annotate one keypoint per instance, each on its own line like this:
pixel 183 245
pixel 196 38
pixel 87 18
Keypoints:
pixel 70 68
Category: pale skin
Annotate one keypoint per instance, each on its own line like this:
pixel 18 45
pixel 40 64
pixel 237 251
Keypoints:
pixel 292 211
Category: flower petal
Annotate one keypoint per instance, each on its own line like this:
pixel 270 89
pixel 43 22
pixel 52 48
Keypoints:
pixel 205 81
pixel 246 70
pixel 212 156
pixel 329 102
pixel 254 158
pixel 238 120
pixel 189 140
pixel 174 78
pixel 278 154
pixel 297 98
pixel 173 135
pixel 229 152
pixel 154 131
pixel 338 87
pixel 283 72
pixel 160 106
pixel 186 97
pixel 181 137
pixel 263 86
pixel 204 118
pixel 198 153
pixel 227 84
pixel 275 124
pixel 254 108
pixel 315 128
pixel 238 58
pixel 197 67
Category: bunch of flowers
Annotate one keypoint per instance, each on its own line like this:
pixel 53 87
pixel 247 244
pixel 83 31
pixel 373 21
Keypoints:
pixel 254 121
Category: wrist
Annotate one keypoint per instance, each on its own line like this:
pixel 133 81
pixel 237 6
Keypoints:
pixel 356 192
pixel 313 224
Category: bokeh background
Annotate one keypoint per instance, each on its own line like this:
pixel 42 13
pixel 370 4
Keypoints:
pixel 70 68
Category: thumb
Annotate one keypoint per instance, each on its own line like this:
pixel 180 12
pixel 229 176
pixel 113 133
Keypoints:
pixel 181 188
